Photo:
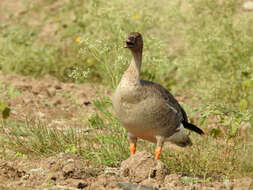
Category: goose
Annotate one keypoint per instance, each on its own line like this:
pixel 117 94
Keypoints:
pixel 146 109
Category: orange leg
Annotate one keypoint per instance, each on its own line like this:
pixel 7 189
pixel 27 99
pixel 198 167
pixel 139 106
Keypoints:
pixel 158 151
pixel 132 148
pixel 132 140
pixel 159 144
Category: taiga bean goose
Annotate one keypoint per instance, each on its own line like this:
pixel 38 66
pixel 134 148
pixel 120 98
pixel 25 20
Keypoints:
pixel 146 109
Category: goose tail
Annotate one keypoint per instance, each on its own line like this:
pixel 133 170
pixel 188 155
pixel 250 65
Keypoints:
pixel 192 127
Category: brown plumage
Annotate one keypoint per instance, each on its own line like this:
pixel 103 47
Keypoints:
pixel 146 109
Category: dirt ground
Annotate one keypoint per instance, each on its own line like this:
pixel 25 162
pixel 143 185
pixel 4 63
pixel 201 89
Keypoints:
pixel 59 104
pixel 66 104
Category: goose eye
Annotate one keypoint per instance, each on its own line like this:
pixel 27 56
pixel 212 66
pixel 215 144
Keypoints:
pixel 131 38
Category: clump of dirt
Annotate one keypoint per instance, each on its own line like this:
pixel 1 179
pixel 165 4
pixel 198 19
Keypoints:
pixel 11 172
pixel 142 166
pixel 106 182
pixel 66 166
pixel 69 170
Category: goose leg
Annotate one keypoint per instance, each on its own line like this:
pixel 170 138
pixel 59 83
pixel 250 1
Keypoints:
pixel 133 140
pixel 159 145
pixel 132 148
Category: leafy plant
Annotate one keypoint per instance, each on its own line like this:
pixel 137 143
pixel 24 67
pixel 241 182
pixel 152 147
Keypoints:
pixel 4 109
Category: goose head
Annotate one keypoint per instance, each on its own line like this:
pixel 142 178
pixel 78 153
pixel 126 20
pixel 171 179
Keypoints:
pixel 134 42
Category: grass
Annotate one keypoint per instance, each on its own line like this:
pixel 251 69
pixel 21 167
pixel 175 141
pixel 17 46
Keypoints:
pixel 199 48
pixel 106 144
pixel 34 138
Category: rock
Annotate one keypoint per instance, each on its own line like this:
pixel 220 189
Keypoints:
pixel 130 186
pixel 57 87
pixel 142 166
pixel 111 171
pixel 82 185
pixel 86 103
pixel 70 160
pixel 36 171
pixel 51 92
pixel 68 170
pixel 56 102
pixel 248 6
pixel 53 178
pixel 77 183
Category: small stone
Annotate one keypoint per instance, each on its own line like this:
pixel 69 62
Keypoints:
pixel 36 171
pixel 111 171
pixel 53 178
pixel 57 87
pixel 81 185
pixel 86 103
pixel 26 177
pixel 68 170
pixel 70 160
pixel 130 186
pixel 57 102
pixel 61 154
pixel 51 92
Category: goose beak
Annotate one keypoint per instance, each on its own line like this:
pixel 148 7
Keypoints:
pixel 129 43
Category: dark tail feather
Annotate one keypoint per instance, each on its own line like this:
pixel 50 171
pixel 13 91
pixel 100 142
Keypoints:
pixel 192 127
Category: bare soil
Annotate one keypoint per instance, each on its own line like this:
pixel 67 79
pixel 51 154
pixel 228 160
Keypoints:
pixel 58 104
pixel 64 105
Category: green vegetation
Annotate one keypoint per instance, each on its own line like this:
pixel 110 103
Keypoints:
pixel 106 144
pixel 201 49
